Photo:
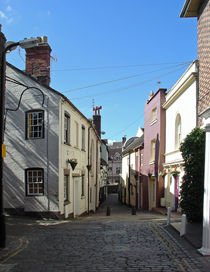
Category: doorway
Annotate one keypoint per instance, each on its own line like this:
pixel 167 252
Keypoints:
pixel 152 193
pixel 76 196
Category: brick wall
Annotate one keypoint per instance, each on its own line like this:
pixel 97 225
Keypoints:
pixel 204 56
pixel 38 62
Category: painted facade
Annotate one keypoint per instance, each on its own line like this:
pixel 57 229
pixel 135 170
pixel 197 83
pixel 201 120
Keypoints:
pixel 114 163
pixel 45 136
pixel 130 183
pixel 154 149
pixel 201 10
pixel 104 170
pixel 181 118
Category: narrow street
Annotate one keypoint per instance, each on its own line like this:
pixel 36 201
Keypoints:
pixel 119 242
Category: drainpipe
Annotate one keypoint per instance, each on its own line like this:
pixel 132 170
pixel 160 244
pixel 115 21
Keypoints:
pixel 88 168
pixel 197 93
pixel 96 173
pixel 129 181
pixel 47 151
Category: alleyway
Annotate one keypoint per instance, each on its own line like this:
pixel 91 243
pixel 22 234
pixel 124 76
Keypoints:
pixel 119 242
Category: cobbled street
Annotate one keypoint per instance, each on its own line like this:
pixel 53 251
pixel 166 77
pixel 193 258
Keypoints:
pixel 119 242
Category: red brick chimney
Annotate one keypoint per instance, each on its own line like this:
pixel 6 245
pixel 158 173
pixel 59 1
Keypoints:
pixel 38 61
pixel 97 119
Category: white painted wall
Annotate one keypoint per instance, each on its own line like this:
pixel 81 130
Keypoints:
pixel 49 153
pixel 181 99
pixel 22 153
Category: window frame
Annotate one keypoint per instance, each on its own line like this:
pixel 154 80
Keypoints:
pixel 118 170
pixel 67 131
pixel 152 150
pixel 83 137
pixel 154 115
pixel 27 188
pixel 76 134
pixel 27 137
pixel 178 131
pixel 141 159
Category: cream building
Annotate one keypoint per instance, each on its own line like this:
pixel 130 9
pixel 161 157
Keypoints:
pixel 52 165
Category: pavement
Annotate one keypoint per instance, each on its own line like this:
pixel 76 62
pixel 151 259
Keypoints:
pixel 121 241
pixel 193 230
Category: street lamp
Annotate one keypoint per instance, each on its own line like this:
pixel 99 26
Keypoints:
pixel 26 43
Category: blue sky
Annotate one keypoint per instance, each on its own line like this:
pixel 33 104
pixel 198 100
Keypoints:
pixel 138 45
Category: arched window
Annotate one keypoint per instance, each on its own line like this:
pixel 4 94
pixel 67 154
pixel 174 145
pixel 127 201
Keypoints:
pixel 178 131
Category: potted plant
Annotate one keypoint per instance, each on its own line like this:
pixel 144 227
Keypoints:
pixel 163 173
pixel 175 172
pixel 73 163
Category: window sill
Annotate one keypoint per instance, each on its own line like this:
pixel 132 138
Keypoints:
pixel 30 196
pixel 82 197
pixel 67 202
pixel 33 139
pixel 83 150
pixel 67 144
pixel 152 162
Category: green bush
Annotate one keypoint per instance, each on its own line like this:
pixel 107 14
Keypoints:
pixel 193 153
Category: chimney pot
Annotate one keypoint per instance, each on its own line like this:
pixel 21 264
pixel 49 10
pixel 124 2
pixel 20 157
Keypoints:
pixel 38 61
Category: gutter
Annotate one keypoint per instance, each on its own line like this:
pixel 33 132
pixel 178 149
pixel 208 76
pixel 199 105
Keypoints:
pixel 185 8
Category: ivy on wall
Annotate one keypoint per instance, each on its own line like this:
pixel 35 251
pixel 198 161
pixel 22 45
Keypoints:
pixel 193 153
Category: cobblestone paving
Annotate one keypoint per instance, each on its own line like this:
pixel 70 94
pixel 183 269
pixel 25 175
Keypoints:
pixel 107 245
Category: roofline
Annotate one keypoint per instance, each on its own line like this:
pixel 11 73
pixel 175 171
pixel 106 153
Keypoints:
pixel 159 90
pixel 58 93
pixel 187 10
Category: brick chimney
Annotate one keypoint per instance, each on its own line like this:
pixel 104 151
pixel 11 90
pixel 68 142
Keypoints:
pixel 38 61
pixel 97 119
pixel 123 139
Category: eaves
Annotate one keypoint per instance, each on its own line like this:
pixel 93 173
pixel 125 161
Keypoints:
pixel 181 89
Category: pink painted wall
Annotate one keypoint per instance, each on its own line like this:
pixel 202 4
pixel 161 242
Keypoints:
pixel 154 131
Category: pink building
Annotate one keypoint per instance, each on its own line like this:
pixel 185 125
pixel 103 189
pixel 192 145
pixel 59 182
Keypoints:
pixel 154 149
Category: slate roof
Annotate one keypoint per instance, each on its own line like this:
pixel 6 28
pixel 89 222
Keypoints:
pixel 132 144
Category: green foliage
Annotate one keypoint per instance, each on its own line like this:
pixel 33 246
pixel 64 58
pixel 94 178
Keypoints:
pixel 193 153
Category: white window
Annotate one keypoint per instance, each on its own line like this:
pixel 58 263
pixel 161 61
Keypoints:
pixel 34 181
pixel 35 124
pixel 92 155
pixel 154 114
pixel 152 150
pixel 178 131
pixel 141 160
pixel 76 134
pixel 66 128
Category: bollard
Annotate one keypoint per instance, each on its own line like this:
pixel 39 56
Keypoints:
pixel 169 216
pixel 108 211
pixel 133 211
pixel 183 225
